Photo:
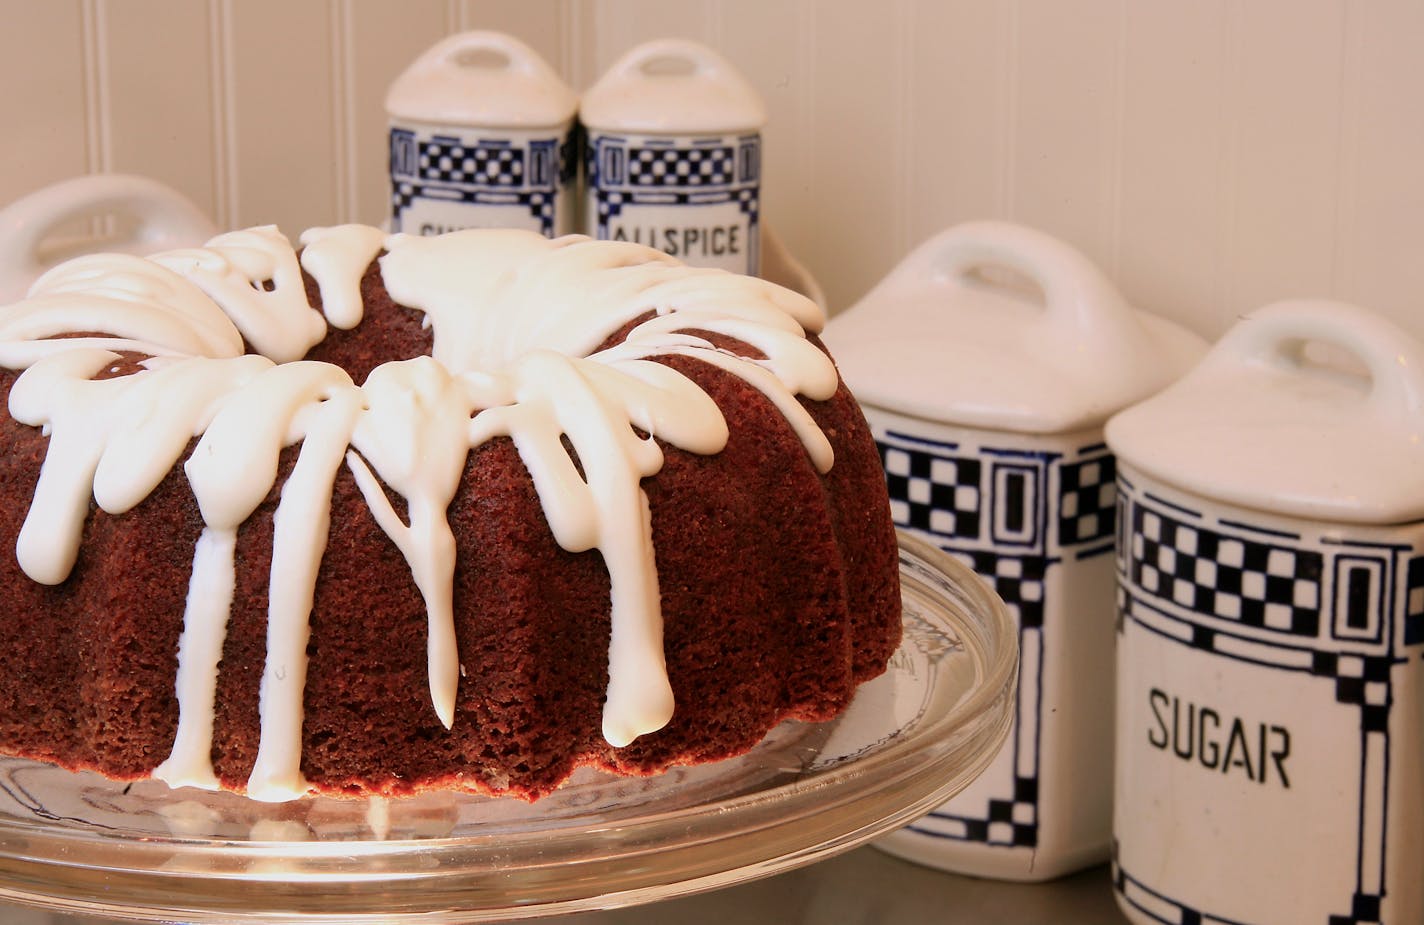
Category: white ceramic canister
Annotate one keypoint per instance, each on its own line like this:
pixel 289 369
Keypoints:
pixel 987 398
pixel 1271 564
pixel 482 136
pixel 673 157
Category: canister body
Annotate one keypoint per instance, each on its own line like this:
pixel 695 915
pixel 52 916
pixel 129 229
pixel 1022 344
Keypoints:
pixel 1033 515
pixel 988 401
pixel 696 197
pixel 451 177
pixel 1268 714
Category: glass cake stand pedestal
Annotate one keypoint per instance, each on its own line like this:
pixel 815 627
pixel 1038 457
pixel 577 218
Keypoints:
pixel 910 739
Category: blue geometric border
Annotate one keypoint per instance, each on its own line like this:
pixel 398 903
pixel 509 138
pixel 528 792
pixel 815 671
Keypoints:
pixel 480 172
pixel 1264 596
pixel 675 172
pixel 1013 515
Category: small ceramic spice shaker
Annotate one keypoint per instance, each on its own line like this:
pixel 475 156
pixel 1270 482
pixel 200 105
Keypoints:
pixel 674 156
pixel 481 133
pixel 1270 736
pixel 987 396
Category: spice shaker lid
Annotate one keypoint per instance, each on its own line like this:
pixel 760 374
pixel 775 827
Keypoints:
pixel 672 87
pixel 1260 423
pixel 938 339
pixel 485 79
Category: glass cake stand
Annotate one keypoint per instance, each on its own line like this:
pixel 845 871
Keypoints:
pixel 911 739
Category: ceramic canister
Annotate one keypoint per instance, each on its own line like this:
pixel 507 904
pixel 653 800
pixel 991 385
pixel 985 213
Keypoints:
pixel 986 364
pixel 674 156
pixel 481 132
pixel 1271 565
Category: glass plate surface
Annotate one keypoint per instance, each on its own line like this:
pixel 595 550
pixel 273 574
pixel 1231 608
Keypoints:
pixel 910 739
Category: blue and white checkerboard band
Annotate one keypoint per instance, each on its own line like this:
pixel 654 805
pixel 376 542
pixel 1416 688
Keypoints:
pixel 991 508
pixel 617 163
pixel 476 163
pixel 1338 609
pixel 997 501
pixel 1256 580
pixel 450 161
pixel 672 172
pixel 1270 590
pixel 681 166
pixel 480 172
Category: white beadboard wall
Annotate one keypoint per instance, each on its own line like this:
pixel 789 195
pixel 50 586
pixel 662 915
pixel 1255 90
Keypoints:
pixel 1212 156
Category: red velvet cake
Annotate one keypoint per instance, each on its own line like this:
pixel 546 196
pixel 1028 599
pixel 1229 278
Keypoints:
pixel 390 513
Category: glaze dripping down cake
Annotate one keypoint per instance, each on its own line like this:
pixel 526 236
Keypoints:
pixel 388 513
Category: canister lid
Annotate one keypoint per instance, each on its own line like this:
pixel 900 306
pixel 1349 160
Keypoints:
pixel 1263 423
pixel 941 339
pixel 485 79
pixel 672 87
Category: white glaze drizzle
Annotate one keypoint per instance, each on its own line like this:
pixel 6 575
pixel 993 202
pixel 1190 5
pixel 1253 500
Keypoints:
pixel 210 591
pixel 137 304
pixel 337 257
pixel 413 432
pixel 515 318
pixel 233 269
pixel 112 439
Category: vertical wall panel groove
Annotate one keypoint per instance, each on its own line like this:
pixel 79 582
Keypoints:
pixel 382 40
pixel 1113 162
pixel 1009 85
pixel 1348 132
pixel 569 34
pixel 224 133
pixel 346 140
pixel 1227 177
pixel 96 116
pixel 337 43
pixel 805 100
pixel 905 104
pixel 97 156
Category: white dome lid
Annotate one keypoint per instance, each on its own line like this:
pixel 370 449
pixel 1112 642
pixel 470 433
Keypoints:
pixel 935 340
pixel 672 87
pixel 485 79
pixel 1259 424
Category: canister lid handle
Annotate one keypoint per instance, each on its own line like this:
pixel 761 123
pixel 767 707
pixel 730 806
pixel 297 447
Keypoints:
pixel 1278 334
pixel 672 86
pixel 672 58
pixel 164 219
pixel 484 50
pixel 1078 298
pixel 484 79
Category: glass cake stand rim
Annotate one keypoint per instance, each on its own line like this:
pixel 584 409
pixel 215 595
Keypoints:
pixel 659 854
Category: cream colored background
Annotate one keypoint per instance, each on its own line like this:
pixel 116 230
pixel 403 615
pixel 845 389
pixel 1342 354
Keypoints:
pixel 1211 155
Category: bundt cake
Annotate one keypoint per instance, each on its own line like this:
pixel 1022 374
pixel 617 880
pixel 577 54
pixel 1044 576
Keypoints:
pixel 587 506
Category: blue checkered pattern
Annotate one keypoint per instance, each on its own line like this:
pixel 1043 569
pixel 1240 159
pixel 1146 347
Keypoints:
pixel 934 492
pixel 1087 499
pixel 681 166
pixel 1256 583
pixel 450 161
